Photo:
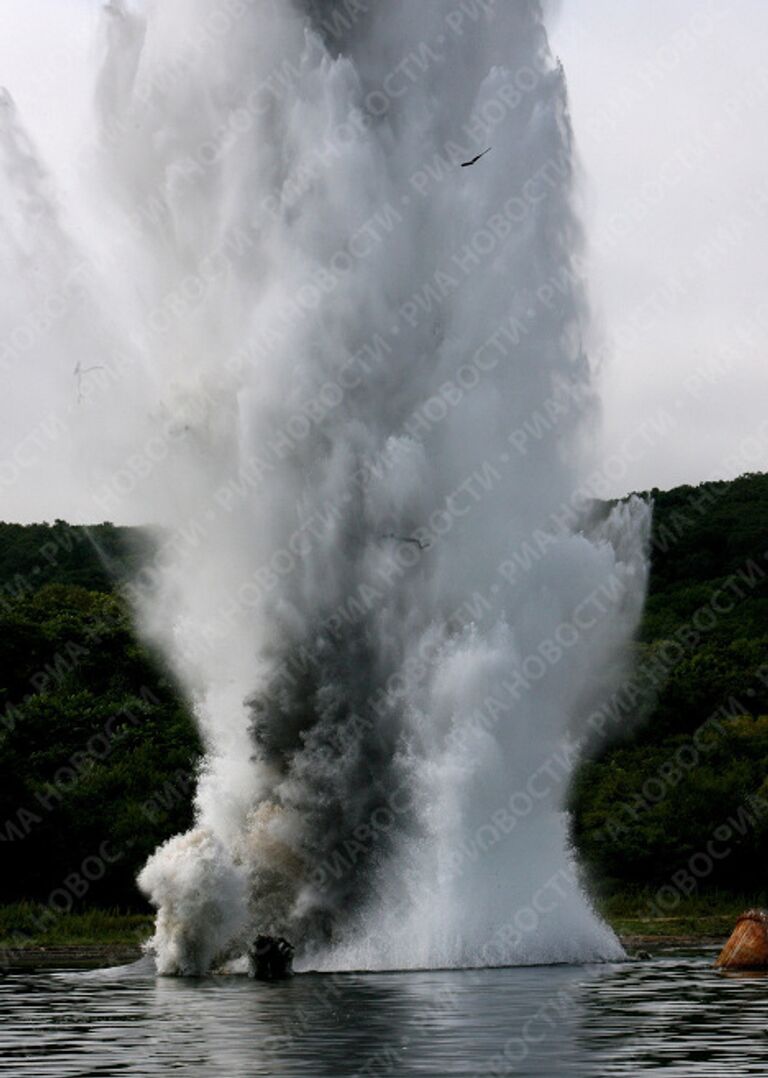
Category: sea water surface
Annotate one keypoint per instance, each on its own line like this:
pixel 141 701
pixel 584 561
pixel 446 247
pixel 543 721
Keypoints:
pixel 671 1015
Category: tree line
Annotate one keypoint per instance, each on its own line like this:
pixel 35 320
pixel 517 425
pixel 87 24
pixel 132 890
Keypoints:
pixel 98 750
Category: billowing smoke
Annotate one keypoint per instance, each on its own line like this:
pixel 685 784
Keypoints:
pixel 350 379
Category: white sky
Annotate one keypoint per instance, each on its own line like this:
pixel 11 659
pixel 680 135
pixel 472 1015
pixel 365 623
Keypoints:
pixel 669 101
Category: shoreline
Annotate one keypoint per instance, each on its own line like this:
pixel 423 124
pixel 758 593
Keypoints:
pixel 88 956
pixel 629 942
pixel 101 938
pixel 104 955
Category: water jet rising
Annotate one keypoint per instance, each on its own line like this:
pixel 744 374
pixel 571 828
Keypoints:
pixel 323 332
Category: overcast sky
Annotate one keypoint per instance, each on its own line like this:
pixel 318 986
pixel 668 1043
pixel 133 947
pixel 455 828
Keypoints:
pixel 669 101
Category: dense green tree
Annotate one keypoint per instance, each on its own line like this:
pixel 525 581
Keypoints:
pixel 651 798
pixel 95 748
pixel 96 744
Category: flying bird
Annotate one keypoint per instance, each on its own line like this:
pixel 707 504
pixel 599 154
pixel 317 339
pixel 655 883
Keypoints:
pixel 466 164
pixel 422 544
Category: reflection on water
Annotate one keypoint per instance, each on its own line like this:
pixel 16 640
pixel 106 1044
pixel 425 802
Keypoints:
pixel 674 1015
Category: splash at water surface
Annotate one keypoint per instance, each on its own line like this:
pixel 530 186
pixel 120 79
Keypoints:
pixel 349 379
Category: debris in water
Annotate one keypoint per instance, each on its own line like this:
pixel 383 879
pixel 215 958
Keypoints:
pixel 271 958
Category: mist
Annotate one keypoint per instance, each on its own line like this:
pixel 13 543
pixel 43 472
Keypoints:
pixel 348 381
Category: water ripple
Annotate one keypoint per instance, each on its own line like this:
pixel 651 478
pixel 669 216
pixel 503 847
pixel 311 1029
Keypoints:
pixel 674 1016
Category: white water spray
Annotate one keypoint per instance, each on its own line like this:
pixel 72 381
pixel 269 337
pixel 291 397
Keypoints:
pixel 348 375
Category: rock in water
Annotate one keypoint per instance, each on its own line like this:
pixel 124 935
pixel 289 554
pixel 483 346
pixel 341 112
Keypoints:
pixel 271 958
pixel 747 947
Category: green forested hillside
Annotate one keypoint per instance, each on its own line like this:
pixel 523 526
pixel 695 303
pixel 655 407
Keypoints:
pixel 679 796
pixel 98 752
pixel 32 555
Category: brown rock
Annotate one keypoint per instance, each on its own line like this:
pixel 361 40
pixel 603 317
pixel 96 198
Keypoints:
pixel 747 947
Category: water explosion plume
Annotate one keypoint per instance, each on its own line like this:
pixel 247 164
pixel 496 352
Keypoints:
pixel 349 378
